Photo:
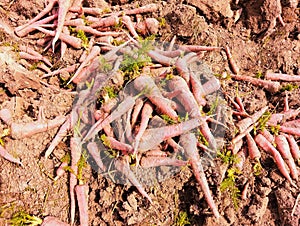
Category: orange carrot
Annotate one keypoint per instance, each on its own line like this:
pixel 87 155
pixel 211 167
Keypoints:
pixel 189 143
pixel 267 146
pixel 284 149
pixel 82 200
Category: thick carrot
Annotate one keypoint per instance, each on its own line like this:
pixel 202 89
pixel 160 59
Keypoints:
pixel 242 156
pixel 267 135
pixel 160 58
pixel 115 144
pixel 284 149
pixel 4 153
pixel 145 117
pixel 253 150
pixel 143 9
pixel 129 24
pixel 151 161
pixel 21 130
pixel 267 146
pixel 145 82
pixel 189 143
pixel 93 151
pixel 105 22
pixel 294 148
pixel 82 200
pixel 5 116
pixel 75 157
pixel 53 221
pixel 290 130
pixel 211 86
pixel 122 165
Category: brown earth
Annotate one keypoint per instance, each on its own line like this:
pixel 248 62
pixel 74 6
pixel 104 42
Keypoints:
pixel 255 48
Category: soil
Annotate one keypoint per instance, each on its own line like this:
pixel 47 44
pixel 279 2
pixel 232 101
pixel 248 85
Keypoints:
pixel 257 45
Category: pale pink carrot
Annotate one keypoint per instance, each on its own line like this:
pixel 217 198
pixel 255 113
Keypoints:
pixel 146 83
pixel 189 143
pixel 211 86
pixel 53 221
pixel 282 77
pixel 121 109
pixel 75 22
pixel 164 60
pixel 240 136
pixel 64 6
pixel 267 135
pixel 253 150
pixel 170 53
pixel 205 130
pixel 34 53
pixel 115 144
pixel 176 147
pixel 197 89
pixel 264 144
pixel 60 171
pixel 294 148
pixel 95 32
pixel 156 152
pixel 231 61
pixel 150 8
pixel 68 69
pixel 46 10
pixel 245 123
pixel 153 137
pixel 130 26
pixel 151 161
pixel 245 191
pixel 182 66
pixel 279 117
pixel 94 152
pixel 71 40
pixel 239 101
pixel 82 200
pixel 284 149
pixel 87 10
pixel 5 116
pixel 62 132
pixel 21 130
pixel 5 154
pixel 270 86
pixel 290 130
pixel 25 31
pixel 110 21
pixel 122 165
pixel 152 25
pixel 145 117
pixel 136 111
pixel 63 45
pixel 95 51
pixel 286 103
pixel 75 157
pixel 196 48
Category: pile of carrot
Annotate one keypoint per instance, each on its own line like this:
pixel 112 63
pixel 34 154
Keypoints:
pixel 153 121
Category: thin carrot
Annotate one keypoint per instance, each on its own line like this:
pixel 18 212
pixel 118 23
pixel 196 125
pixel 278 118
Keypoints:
pixel 267 146
pixel 68 69
pixel 232 63
pixel 122 165
pixel 105 22
pixel 196 48
pixel 182 66
pixel 245 190
pixel 129 24
pixel 5 154
pixel 267 135
pixel 143 9
pixel 36 54
pixel 189 143
pixel 115 144
pixel 279 117
pixel 150 161
pixel 294 148
pixel 82 200
pixel 284 149
pixel 282 77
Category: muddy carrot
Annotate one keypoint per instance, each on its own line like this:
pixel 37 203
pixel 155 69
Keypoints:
pixel 242 156
pixel 36 54
pixel 21 130
pixel 189 143
pixel 5 116
pixel 62 132
pixel 53 221
pixel 123 166
pixel 264 144
pixel 145 82
pixel 129 24
pixel 82 200
pixel 143 9
pixel 68 69
pixel 4 153
pixel 295 151
pixel 60 170
pixel 151 161
pixel 64 6
pixel 197 89
pixel 75 157
pixel 282 77
pixel 284 149
pixel 245 190
pixel 253 150
pixel 245 123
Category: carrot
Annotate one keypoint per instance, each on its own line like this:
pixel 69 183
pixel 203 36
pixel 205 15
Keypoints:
pixel 122 108
pixel 53 221
pixel 267 146
pixel 38 56
pixel 156 152
pixel 290 130
pixel 64 6
pixel 105 22
pixel 182 66
pixel 211 86
pixel 205 130
pixel 245 123
pixel 82 200
pixel 294 123
pixel 68 69
pixel 136 111
pixel 5 116
pixel 196 48
pixel 232 63
pixel 197 89
pixel 75 156
pixel 242 156
pixel 145 82
pixel 115 144
pixel 93 151
pixel 189 143
pixel 145 116
pixel 5 154
pixel 62 132
pixel 279 117
pixel 282 77
pixel 160 58
pixel 294 148
pixel 60 170
pixel 284 149
pixel 235 148
pixel 245 190
pixel 63 45
pixel 122 165
pixel 270 86
pixel 129 24
pixel 95 32
pixel 150 161
pixel 143 9
pixel 267 135
pixel 21 130
pixel 253 150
